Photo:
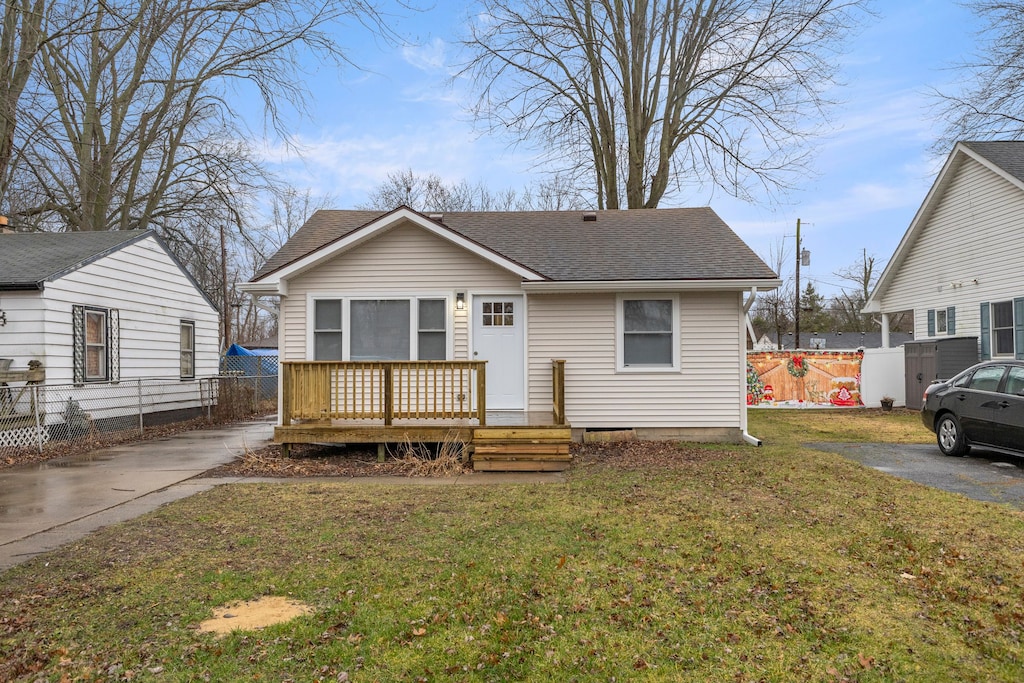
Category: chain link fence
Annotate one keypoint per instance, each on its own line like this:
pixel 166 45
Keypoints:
pixel 38 417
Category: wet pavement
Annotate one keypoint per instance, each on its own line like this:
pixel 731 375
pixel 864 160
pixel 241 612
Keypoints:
pixel 44 505
pixel 983 475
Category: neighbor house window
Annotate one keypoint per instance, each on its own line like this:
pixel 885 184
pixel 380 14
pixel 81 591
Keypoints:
pixel 187 334
pixel 941 321
pixel 95 345
pixel 327 329
pixel 95 340
pixel 1002 328
pixel 380 329
pixel 648 338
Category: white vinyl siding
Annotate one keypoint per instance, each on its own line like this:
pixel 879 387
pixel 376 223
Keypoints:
pixel 405 262
pixel 968 251
pixel 151 295
pixel 703 393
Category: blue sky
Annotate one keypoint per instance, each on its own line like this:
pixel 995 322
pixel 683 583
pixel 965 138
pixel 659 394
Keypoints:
pixel 872 171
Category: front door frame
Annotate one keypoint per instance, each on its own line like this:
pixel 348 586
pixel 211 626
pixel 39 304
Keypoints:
pixel 474 298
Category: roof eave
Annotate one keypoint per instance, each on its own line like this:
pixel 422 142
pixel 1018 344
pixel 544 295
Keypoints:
pixel 385 222
pixel 596 286
pixel 21 286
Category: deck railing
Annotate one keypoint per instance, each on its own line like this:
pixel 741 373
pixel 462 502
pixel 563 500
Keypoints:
pixel 383 390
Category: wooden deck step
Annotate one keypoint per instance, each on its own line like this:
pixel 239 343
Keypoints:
pixel 520 465
pixel 521 449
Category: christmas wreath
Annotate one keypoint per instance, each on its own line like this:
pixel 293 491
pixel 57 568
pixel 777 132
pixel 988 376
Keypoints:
pixel 797 366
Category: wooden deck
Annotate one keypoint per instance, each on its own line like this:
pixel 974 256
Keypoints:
pixel 420 402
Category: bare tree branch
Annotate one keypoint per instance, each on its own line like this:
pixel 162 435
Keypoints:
pixel 649 96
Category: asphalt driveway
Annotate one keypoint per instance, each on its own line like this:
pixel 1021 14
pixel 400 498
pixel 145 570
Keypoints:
pixel 983 475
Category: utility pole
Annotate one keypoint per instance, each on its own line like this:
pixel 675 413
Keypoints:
pixel 225 312
pixel 802 256
pixel 796 312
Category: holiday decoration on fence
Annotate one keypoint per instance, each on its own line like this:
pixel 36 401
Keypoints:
pixel 755 389
pixel 797 366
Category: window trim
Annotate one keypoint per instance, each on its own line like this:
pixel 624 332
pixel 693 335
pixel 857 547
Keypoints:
pixel 105 346
pixel 346 319
pixel 620 332
pixel 191 326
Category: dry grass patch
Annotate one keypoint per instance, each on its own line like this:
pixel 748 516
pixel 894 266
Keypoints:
pixel 676 562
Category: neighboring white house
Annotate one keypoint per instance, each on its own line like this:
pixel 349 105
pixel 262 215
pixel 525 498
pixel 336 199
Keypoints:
pixel 646 307
pixel 99 308
pixel 960 265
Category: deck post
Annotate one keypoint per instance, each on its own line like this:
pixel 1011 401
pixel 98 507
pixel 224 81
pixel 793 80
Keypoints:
pixel 389 394
pixel 286 395
pixel 558 391
pixel 481 392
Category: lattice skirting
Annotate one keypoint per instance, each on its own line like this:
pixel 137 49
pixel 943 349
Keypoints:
pixel 23 437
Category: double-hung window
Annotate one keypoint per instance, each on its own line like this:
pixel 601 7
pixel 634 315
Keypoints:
pixel 364 329
pixel 327 334
pixel 1002 328
pixel 648 337
pixel 187 345
pixel 95 337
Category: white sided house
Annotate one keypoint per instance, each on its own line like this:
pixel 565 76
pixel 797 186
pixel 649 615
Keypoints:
pixel 99 310
pixel 646 308
pixel 960 265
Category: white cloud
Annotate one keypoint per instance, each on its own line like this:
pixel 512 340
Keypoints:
pixel 431 57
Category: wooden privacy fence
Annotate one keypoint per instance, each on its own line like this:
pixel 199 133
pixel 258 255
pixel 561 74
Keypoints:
pixel 383 390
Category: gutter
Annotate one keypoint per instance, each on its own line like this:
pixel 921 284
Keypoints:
pixel 752 440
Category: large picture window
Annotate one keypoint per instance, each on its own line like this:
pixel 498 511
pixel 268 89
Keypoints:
pixel 380 329
pixel 648 338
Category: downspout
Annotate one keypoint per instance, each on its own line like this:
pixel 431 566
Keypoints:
pixel 752 440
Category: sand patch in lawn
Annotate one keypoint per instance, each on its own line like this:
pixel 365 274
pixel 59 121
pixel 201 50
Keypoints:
pixel 254 614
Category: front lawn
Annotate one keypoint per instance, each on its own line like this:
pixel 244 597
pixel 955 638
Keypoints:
pixel 719 564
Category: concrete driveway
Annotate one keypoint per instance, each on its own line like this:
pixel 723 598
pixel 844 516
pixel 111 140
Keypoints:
pixel 983 475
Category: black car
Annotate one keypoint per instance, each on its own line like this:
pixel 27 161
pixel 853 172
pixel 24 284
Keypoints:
pixel 982 406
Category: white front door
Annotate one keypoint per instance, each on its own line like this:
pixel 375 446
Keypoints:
pixel 498 337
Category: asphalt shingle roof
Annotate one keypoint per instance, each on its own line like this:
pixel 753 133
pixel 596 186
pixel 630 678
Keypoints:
pixel 646 244
pixel 27 260
pixel 1007 155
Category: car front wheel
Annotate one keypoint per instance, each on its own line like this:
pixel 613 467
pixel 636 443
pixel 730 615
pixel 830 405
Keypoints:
pixel 950 436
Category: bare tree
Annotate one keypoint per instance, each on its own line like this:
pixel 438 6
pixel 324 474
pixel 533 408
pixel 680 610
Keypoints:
pixel 990 103
pixel 647 96
pixel 847 305
pixel 139 128
pixel 773 310
pixel 431 193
